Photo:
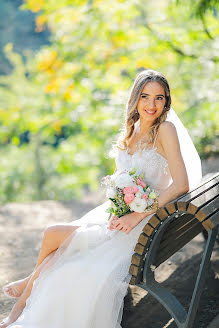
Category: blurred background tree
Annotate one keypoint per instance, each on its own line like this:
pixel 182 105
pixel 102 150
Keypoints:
pixel 64 86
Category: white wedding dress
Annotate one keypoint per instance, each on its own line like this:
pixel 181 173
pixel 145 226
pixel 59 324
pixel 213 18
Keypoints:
pixel 85 283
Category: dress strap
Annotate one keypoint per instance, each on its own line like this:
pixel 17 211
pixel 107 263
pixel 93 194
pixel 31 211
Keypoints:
pixel 155 139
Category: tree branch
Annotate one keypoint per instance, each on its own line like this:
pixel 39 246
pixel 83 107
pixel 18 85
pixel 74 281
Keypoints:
pixel 179 51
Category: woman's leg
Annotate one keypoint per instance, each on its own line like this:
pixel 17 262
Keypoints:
pixel 53 237
pixel 21 302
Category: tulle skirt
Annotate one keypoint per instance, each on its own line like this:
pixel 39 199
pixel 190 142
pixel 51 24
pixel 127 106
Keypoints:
pixel 84 284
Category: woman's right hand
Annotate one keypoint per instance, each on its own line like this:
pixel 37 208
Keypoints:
pixel 110 227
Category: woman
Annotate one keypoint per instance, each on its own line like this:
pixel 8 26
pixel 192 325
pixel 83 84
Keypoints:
pixel 81 276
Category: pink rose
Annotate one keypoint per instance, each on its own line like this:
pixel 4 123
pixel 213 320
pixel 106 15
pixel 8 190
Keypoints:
pixel 144 196
pixel 140 182
pixel 129 198
pixel 130 190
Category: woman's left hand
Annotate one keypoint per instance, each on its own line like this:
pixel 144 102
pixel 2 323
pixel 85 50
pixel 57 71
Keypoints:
pixel 125 223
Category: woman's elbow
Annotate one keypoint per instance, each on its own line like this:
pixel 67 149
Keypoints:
pixel 182 187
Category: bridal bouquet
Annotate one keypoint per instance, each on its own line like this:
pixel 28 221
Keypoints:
pixel 128 193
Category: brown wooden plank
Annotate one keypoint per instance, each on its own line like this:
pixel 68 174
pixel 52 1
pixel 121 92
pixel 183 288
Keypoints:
pixel 162 214
pixel 171 208
pixel 214 179
pixel 178 221
pixel 206 210
pixel 164 254
pixel 192 209
pixel 137 259
pixel 136 280
pixel 154 222
pixel 208 225
pixel 134 270
pixel 170 237
pixel 211 222
pixel 206 196
pixel 181 206
pixel 175 229
pixel 139 249
pixel 215 218
pixel 143 239
pixel 148 230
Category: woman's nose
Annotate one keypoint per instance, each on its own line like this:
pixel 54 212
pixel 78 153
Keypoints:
pixel 151 104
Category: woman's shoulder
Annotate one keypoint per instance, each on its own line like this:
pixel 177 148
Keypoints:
pixel 167 135
pixel 166 127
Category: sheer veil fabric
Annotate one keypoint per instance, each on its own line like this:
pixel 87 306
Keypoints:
pixel 85 283
pixel 189 153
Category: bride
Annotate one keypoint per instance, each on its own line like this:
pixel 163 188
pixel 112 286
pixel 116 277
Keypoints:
pixel 82 272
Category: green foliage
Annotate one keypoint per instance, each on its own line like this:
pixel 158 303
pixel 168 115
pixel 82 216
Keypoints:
pixel 81 80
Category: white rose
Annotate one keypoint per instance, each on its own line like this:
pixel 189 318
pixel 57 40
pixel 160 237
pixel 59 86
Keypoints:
pixel 138 194
pixel 123 180
pixel 111 193
pixel 138 205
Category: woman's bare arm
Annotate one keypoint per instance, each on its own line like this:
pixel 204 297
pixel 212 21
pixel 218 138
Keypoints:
pixel 180 185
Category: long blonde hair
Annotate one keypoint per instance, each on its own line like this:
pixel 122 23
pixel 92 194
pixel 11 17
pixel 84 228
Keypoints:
pixel 132 115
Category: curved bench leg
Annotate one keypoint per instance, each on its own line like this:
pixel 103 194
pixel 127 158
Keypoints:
pixel 164 296
pixel 201 277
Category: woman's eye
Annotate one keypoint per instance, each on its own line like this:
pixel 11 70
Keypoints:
pixel 143 96
pixel 159 98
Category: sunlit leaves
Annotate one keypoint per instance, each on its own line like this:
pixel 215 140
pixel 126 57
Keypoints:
pixel 70 96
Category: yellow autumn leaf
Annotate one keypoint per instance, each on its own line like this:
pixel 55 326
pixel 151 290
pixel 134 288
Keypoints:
pixel 57 126
pixel 46 59
pixel 143 62
pixel 68 92
pixel 54 85
pixel 124 60
pixel 40 22
pixel 34 5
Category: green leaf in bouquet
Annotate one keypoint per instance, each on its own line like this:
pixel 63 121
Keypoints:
pixel 132 171
pixel 109 210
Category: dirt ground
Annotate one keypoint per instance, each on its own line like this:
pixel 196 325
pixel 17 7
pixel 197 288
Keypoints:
pixel 21 230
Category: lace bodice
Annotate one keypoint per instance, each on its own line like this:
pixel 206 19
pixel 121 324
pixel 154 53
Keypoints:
pixel 147 161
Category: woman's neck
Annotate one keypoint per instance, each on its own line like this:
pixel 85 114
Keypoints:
pixel 144 128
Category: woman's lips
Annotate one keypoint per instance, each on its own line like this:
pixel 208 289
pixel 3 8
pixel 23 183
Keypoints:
pixel 150 112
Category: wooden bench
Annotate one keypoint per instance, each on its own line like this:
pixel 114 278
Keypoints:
pixel 172 227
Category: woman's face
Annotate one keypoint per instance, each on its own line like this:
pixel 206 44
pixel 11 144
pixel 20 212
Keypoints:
pixel 151 101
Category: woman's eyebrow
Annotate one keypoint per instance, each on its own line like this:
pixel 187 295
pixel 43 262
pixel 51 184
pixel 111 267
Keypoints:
pixel 146 94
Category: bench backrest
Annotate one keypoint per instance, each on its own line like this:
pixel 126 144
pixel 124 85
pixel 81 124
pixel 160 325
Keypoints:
pixel 190 214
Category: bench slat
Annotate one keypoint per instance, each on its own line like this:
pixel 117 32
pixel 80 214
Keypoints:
pixel 164 254
pixel 212 222
pixel 134 270
pixel 140 249
pixel 209 208
pixel 170 236
pixel 192 205
pixel 199 190
pixel 162 214
pixel 171 208
pixel 137 259
pixel 154 221
pixel 143 239
pixel 148 230
pixel 178 222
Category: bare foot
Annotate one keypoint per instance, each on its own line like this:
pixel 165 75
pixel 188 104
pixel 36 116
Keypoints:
pixel 15 288
pixel 14 314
